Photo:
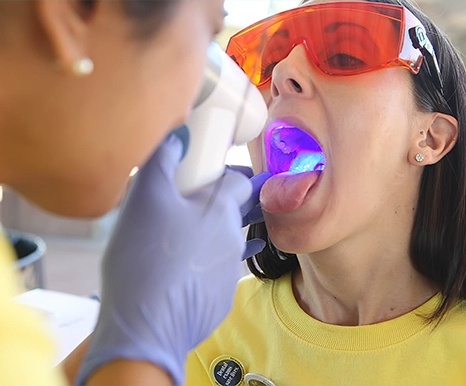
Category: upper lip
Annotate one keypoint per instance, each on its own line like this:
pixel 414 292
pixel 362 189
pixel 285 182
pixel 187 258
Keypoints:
pixel 293 122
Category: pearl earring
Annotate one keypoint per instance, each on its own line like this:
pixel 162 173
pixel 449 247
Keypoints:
pixel 83 67
pixel 419 157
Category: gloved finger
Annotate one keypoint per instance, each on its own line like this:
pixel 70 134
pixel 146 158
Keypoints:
pixel 182 133
pixel 254 216
pixel 246 170
pixel 235 184
pixel 158 173
pixel 253 247
pixel 166 158
pixel 257 182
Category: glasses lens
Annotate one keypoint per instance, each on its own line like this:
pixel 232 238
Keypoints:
pixel 352 41
pixel 340 39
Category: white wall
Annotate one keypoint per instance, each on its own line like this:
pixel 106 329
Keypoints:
pixel 244 12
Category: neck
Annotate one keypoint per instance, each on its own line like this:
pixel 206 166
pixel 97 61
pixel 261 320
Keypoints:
pixel 360 287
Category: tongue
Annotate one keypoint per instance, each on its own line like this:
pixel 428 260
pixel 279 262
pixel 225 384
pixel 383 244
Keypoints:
pixel 286 192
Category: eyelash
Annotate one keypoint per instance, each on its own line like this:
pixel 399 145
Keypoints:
pixel 349 59
pixel 267 68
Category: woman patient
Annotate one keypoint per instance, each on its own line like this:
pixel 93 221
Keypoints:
pixel 363 279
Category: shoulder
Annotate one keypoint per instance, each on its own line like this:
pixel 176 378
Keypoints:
pixel 451 333
pixel 448 340
pixel 253 290
pixel 250 284
pixel 454 324
pixel 253 311
pixel 25 344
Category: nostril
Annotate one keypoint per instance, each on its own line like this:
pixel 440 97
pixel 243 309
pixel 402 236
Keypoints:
pixel 296 86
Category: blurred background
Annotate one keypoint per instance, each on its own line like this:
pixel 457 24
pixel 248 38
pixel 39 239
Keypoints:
pixel 70 257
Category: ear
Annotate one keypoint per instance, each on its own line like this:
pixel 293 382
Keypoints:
pixel 65 25
pixel 436 140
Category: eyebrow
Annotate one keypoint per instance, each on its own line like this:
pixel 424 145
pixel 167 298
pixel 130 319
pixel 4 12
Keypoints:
pixel 281 33
pixel 334 26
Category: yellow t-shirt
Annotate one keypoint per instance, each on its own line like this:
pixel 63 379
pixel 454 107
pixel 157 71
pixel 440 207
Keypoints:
pixel 26 351
pixel 272 337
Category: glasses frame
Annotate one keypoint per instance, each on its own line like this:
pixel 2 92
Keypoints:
pixel 416 48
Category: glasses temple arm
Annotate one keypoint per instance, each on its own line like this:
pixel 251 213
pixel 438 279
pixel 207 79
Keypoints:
pixel 421 42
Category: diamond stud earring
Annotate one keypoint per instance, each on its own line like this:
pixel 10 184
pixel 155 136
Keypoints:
pixel 419 157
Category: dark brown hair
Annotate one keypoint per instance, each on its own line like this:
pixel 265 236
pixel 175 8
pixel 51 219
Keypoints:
pixel 148 15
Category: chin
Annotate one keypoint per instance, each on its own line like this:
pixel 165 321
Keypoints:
pixel 80 206
pixel 93 211
pixel 82 210
pixel 284 241
pixel 292 239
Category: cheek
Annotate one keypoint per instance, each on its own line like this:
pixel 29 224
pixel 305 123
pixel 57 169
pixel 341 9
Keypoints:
pixel 170 94
pixel 179 69
pixel 266 93
pixel 255 151
pixel 184 85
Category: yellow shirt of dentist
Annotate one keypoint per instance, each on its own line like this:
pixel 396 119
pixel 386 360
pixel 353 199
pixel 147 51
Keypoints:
pixel 26 351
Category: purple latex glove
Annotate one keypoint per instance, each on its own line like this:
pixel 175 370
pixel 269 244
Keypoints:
pixel 251 210
pixel 170 269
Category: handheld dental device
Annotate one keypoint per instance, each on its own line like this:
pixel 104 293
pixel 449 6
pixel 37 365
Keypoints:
pixel 229 111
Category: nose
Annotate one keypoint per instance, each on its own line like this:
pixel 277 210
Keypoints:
pixel 292 75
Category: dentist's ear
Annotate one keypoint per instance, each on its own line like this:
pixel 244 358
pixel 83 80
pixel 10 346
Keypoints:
pixel 433 143
pixel 65 25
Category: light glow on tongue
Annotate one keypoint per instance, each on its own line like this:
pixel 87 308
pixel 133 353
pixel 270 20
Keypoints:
pixel 290 149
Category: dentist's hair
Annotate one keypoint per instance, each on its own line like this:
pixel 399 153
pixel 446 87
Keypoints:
pixel 438 238
pixel 148 15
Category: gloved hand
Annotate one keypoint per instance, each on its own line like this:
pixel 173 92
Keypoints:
pixel 170 269
pixel 251 210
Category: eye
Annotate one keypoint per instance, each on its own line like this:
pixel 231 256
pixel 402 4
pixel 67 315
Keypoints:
pixel 343 61
pixel 266 69
pixel 277 47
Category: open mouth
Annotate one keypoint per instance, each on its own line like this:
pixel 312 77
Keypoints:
pixel 290 149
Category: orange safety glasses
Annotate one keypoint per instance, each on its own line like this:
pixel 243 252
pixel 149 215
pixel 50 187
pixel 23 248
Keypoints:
pixel 340 38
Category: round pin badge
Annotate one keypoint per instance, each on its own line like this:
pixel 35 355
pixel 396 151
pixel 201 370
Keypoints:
pixel 226 371
pixel 252 379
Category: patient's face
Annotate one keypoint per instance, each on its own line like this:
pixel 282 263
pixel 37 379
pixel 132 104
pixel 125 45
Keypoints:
pixel 365 124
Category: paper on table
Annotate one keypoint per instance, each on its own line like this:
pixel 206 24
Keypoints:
pixel 72 318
